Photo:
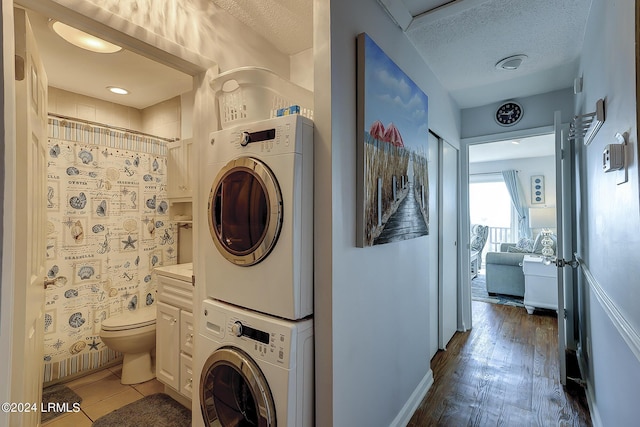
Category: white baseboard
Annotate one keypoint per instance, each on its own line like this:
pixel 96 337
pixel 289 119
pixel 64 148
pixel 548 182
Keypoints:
pixel 593 409
pixel 407 411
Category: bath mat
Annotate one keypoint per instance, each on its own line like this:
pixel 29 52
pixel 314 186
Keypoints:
pixel 58 393
pixel 157 410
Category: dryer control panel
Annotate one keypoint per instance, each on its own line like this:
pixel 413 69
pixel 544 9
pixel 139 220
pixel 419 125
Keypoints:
pixel 280 135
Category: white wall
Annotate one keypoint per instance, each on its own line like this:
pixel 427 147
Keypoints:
pixel 87 108
pixel 537 112
pixel 610 216
pixel 526 168
pixel 301 69
pixel 371 306
pixel 162 119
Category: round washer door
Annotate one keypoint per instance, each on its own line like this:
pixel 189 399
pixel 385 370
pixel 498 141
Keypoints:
pixel 245 211
pixel 234 391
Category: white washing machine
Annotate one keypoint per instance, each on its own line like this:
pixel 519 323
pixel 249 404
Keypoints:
pixel 259 193
pixel 255 370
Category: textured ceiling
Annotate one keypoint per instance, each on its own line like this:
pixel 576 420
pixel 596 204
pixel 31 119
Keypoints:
pixel 460 40
pixel 287 24
pixel 463 41
pixel 417 7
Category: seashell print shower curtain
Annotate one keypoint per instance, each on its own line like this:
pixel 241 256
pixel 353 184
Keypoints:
pixel 107 228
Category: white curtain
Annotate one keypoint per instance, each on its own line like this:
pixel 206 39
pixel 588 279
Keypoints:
pixel 519 203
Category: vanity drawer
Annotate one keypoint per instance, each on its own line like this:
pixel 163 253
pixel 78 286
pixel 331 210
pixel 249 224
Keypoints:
pixel 178 293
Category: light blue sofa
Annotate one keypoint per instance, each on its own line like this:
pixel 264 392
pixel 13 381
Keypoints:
pixel 504 272
pixel 504 268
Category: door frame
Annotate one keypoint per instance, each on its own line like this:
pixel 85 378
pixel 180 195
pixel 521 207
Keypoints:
pixel 88 16
pixel 465 225
pixel 459 291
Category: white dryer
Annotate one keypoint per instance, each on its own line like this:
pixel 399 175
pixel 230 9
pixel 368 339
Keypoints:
pixel 259 201
pixel 256 370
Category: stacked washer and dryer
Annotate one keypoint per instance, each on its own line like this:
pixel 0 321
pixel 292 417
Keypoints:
pixel 255 347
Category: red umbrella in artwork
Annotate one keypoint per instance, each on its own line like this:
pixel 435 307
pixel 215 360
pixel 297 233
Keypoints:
pixel 392 136
pixel 377 130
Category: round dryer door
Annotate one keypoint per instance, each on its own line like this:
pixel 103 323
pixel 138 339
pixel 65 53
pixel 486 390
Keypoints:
pixel 234 392
pixel 245 211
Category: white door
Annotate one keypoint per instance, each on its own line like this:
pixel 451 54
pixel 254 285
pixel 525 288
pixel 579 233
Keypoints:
pixel 448 245
pixel 565 250
pixel 29 180
pixel 168 345
pixel 434 244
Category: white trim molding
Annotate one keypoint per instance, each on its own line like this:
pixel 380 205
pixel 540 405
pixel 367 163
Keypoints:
pixel 596 421
pixel 626 330
pixel 410 407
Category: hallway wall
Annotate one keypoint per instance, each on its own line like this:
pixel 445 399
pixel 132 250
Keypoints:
pixel 537 112
pixel 373 326
pixel 609 219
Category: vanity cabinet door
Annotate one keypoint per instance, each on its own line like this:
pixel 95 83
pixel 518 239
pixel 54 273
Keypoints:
pixel 186 375
pixel 167 343
pixel 186 332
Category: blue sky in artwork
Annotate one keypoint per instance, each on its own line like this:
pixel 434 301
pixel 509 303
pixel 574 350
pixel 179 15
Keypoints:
pixel 392 97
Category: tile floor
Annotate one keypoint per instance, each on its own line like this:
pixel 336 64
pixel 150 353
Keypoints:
pixel 102 393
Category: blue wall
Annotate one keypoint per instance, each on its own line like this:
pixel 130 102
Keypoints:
pixel 538 112
pixel 609 220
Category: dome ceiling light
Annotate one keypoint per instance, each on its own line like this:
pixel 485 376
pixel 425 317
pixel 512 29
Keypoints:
pixel 511 63
pixel 83 40
pixel 118 90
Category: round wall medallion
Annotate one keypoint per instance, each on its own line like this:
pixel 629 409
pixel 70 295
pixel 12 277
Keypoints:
pixel 508 114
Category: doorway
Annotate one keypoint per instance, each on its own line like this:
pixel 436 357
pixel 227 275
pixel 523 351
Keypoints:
pixel 113 173
pixel 8 327
pixel 491 205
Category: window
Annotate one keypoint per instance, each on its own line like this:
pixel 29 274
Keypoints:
pixel 490 204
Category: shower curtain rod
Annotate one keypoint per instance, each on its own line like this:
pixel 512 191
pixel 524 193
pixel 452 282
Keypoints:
pixel 134 132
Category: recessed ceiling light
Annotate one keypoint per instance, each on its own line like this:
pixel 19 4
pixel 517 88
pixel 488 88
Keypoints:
pixel 118 90
pixel 83 40
pixel 511 63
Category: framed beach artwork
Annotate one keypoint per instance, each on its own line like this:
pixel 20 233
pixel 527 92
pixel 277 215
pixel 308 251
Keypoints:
pixel 392 134
pixel 537 189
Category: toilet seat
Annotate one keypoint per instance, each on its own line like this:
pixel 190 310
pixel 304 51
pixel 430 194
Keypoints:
pixel 131 320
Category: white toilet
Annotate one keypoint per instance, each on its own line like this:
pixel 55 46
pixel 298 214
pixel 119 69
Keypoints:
pixel 132 333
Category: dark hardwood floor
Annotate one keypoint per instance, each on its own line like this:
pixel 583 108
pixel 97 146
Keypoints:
pixel 504 372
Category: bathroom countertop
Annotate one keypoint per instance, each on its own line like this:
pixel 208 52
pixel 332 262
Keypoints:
pixel 176 271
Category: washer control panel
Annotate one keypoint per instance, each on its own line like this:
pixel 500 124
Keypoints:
pixel 263 337
pixel 269 345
